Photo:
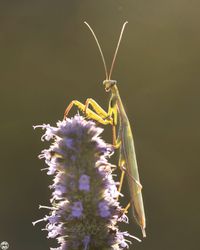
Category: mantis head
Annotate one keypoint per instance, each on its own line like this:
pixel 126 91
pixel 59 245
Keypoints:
pixel 108 84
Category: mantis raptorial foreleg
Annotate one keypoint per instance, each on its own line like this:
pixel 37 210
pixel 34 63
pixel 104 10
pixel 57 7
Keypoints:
pixel 110 115
pixel 97 108
pixel 100 116
pixel 90 114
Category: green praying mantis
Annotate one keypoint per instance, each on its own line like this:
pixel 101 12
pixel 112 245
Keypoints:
pixel 116 116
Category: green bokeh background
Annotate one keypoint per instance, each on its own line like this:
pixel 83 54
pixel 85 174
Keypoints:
pixel 48 57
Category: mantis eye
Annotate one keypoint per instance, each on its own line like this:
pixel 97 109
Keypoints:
pixel 113 82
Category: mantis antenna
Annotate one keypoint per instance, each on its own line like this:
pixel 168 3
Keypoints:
pixel 100 50
pixel 114 57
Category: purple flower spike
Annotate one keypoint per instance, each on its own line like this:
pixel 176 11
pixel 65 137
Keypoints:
pixel 84 209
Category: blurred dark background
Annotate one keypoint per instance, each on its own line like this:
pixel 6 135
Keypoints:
pixel 48 58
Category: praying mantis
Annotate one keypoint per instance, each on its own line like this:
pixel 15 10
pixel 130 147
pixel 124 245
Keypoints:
pixel 116 116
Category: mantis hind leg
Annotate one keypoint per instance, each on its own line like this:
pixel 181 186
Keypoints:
pixel 121 166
